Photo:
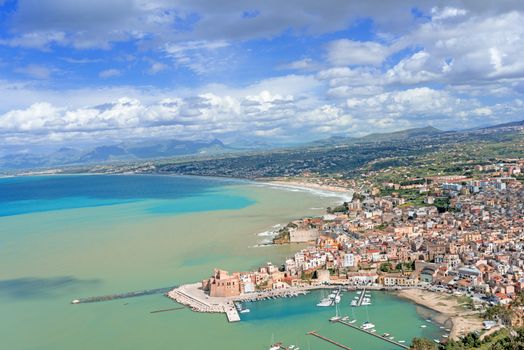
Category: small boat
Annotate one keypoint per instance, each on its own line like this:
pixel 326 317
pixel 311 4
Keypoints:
pixel 423 326
pixel 391 338
pixel 445 336
pixel 428 320
pixel 353 303
pixel 76 301
pixel 245 311
pixel 386 335
pixel 436 341
pixel 373 330
pixel 367 325
pixel 353 321
pixel 345 318
pixel 401 341
pixel 441 327
pixel 291 347
pixel 275 346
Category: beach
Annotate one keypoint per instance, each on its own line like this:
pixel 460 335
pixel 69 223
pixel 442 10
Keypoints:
pixel 448 308
pixel 344 194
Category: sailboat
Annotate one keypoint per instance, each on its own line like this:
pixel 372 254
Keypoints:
pixel 274 346
pixel 324 301
pixel 337 316
pixel 367 325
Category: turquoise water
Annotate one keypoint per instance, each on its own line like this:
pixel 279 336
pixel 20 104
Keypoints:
pixel 65 237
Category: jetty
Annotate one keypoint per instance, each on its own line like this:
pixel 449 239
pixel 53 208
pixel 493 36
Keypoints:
pixel 133 294
pixel 361 299
pixel 374 334
pixel 165 310
pixel 315 334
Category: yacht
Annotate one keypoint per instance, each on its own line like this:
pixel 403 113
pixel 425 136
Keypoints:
pixel 367 325
pixel 336 317
pixel 325 302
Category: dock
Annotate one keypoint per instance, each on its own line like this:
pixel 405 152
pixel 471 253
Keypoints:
pixel 361 299
pixel 133 294
pixel 232 312
pixel 313 333
pixel 374 335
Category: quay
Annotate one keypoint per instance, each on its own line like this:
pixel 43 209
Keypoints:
pixel 133 294
pixel 373 334
pixel 313 333
pixel 194 297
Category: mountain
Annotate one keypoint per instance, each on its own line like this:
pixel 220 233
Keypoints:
pixel 121 152
pixel 380 137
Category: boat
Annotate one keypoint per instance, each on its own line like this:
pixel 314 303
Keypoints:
pixel 345 318
pixel 367 325
pixel 336 317
pixel 373 330
pixel 353 321
pixel 245 311
pixel 291 347
pixel 337 299
pixel 436 341
pixel 401 341
pixel 386 335
pixel 354 303
pixel 275 346
pixel 325 302
pixel 391 338
pixel 423 326
pixel 76 301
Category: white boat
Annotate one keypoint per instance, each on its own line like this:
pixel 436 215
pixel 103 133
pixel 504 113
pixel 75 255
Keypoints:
pixel 353 303
pixel 275 347
pixel 337 299
pixel 352 321
pixel 366 303
pixel 245 311
pixel 436 341
pixel 76 301
pixel 423 326
pixel 337 317
pixel 367 325
pixel 401 341
pixel 345 318
pixel 291 347
pixel 325 302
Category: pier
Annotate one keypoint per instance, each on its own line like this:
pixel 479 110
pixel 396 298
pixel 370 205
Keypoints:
pixel 361 299
pixel 133 294
pixel 375 335
pixel 313 333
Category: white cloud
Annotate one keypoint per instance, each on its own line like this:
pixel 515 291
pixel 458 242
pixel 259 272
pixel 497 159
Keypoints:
pixel 36 71
pixel 110 73
pixel 345 52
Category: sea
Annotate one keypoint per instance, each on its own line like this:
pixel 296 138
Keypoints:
pixel 65 237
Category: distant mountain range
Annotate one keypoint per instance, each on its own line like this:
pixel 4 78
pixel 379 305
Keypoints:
pixel 110 153
pixel 177 148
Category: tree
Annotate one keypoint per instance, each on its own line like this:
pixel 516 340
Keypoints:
pixel 422 344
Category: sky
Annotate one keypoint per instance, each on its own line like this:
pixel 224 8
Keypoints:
pixel 77 72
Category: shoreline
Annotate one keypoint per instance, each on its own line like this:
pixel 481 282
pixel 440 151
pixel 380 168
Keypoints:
pixel 448 309
pixel 344 194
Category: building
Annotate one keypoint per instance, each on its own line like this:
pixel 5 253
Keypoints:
pixel 221 284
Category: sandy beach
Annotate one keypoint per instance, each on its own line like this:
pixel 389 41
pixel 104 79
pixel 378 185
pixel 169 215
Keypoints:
pixel 449 309
pixel 344 194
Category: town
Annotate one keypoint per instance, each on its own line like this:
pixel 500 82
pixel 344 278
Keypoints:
pixel 451 233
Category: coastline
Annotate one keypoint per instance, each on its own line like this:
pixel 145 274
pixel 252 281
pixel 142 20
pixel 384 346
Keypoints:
pixel 448 309
pixel 342 193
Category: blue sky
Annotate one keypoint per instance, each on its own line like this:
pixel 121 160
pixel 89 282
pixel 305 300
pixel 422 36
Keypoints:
pixel 98 72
